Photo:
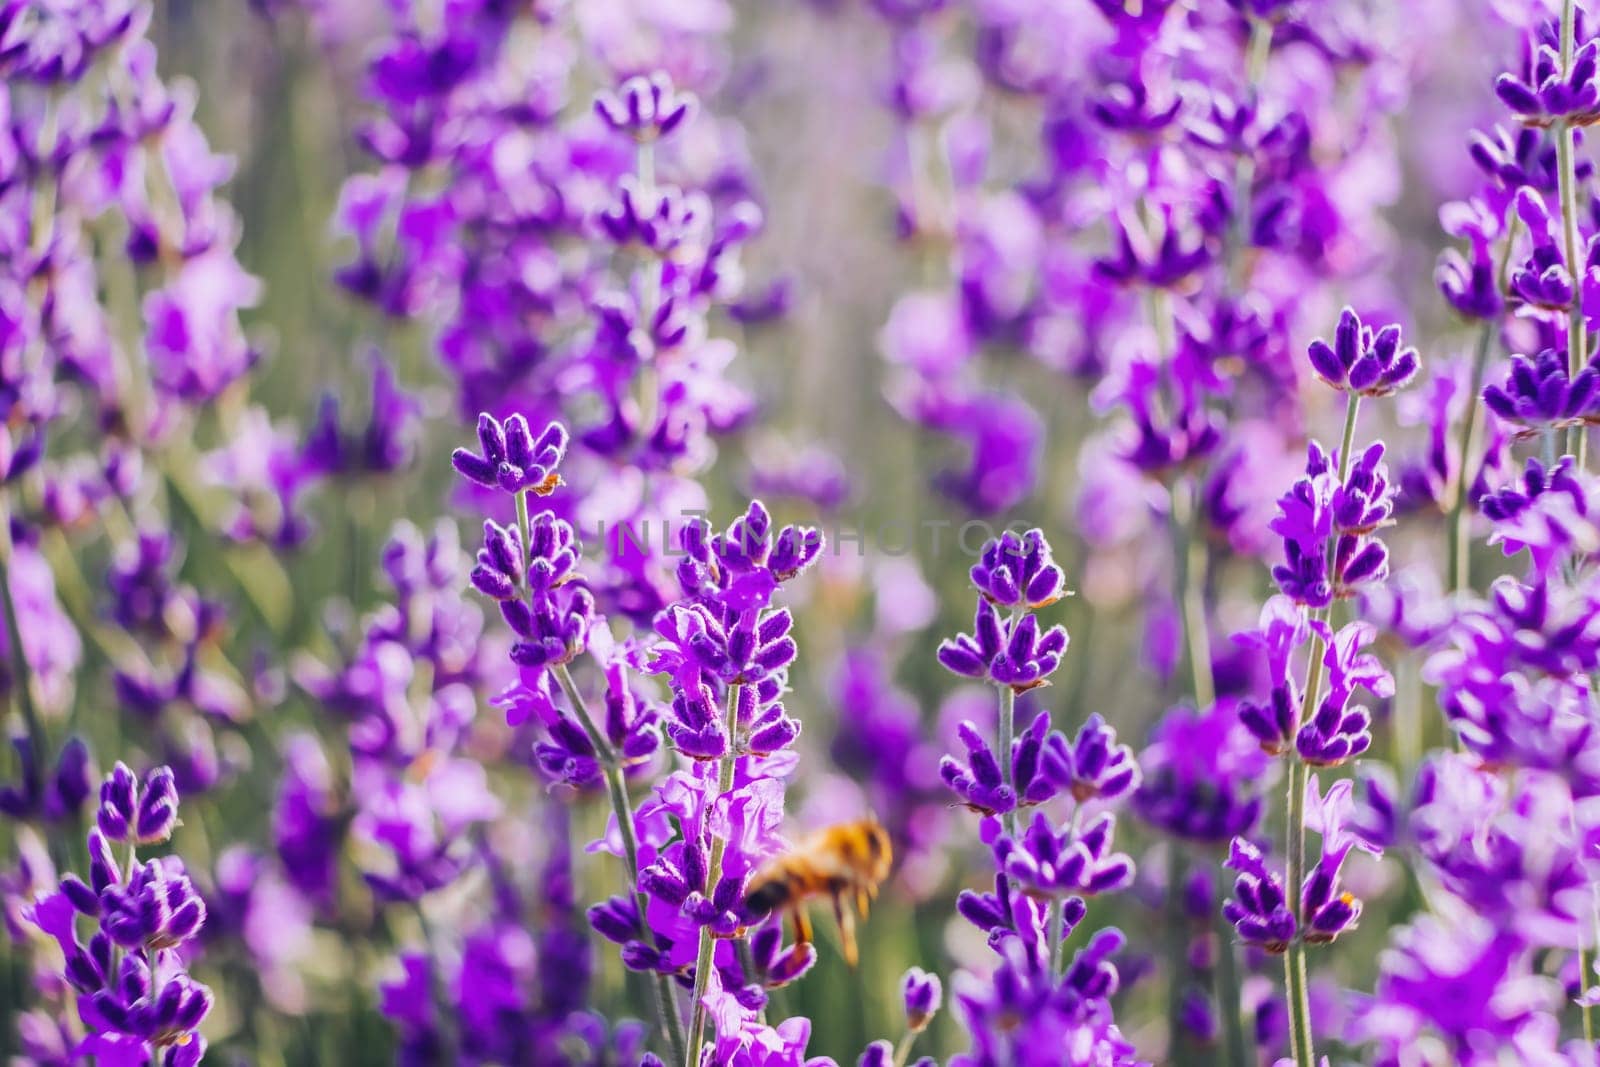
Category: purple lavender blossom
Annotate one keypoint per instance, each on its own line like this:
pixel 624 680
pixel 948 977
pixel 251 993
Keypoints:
pixel 1363 361
pixel 136 999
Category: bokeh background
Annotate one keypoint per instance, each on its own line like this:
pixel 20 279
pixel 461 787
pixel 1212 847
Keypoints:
pixel 799 101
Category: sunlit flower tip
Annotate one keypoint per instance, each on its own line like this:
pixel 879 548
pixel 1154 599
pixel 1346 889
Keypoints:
pixel 922 994
pixel 1015 571
pixel 645 107
pixel 1259 909
pixel 1363 361
pixel 158 807
pixel 1078 862
pixel 695 725
pixel 1333 918
pixel 978 782
pixel 118 802
pixel 1092 765
pixel 499 572
pixel 1548 92
pixel 510 458
pixel 1537 393
pixel 795 549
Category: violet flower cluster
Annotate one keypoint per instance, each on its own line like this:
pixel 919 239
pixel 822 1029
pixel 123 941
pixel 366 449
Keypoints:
pixel 545 797
pixel 135 999
pixel 1046 868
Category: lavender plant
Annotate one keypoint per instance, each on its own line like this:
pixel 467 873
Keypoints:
pixel 1313 779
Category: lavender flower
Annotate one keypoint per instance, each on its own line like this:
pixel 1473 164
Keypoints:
pixel 1361 360
pixel 136 999
pixel 645 108
pixel 1012 653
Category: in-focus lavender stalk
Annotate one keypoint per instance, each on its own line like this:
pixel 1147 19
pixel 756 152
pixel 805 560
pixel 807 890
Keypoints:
pixel 1015 575
pixel 134 994
pixel 1045 871
pixel 532 572
pixel 1328 521
pixel 1584 88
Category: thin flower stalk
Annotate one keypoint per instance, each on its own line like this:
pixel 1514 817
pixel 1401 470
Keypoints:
pixel 702 969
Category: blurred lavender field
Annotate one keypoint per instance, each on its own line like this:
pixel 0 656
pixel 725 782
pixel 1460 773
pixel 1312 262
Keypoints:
pixel 510 506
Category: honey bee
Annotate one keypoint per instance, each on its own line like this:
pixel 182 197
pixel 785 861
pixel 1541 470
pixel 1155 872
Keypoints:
pixel 837 861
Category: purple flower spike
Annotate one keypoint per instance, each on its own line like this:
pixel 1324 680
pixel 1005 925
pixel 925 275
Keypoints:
pixel 1074 862
pixel 1545 94
pixel 645 108
pixel 1316 509
pixel 1329 911
pixel 1022 658
pixel 1093 765
pixel 158 808
pixel 510 458
pixel 1259 910
pixel 969 655
pixel 1548 512
pixel 1364 361
pixel 1017 571
pixel 498 574
pixel 1538 395
pixel 977 782
pixel 922 994
pixel 139 999
pixel 1524 158
pixel 118 802
pixel 695 725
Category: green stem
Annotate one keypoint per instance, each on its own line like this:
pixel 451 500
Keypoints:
pixel 1585 976
pixel 702 968
pixel 1177 953
pixel 617 790
pixel 1229 999
pixel 1257 53
pixel 902 1051
pixel 21 676
pixel 1567 179
pixel 1352 408
pixel 1008 710
pixel 1577 333
pixel 1189 549
pixel 1301 1044
pixel 523 527
pixel 1460 561
pixel 1057 908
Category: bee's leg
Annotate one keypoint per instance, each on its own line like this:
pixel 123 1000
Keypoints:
pixel 864 901
pixel 847 928
pixel 802 925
